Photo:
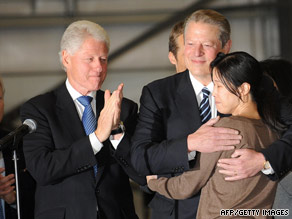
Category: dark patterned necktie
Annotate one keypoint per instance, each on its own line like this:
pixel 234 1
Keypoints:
pixel 88 119
pixel 205 109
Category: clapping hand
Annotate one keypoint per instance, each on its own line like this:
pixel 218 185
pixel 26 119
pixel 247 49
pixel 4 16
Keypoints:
pixel 109 118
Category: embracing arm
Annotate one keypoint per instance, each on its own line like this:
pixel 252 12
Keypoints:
pixel 279 154
pixel 188 183
pixel 155 153
pixel 248 162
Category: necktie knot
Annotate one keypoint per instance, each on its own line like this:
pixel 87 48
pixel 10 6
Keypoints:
pixel 85 100
pixel 88 117
pixel 206 92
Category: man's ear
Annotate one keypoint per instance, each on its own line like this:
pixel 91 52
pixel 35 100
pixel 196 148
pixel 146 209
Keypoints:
pixel 227 47
pixel 172 58
pixel 65 58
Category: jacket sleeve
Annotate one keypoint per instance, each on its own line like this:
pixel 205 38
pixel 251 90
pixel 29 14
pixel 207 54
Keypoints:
pixel 152 152
pixel 190 182
pixel 122 153
pixel 279 154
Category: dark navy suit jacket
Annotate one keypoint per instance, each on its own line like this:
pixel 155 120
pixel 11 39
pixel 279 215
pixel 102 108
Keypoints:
pixel 60 158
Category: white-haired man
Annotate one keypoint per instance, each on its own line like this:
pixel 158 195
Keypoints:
pixel 79 154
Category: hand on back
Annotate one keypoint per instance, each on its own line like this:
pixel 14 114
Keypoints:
pixel 209 139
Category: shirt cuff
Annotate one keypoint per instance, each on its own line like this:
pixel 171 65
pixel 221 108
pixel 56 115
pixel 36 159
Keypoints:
pixel 115 143
pixel 95 143
pixel 192 155
pixel 269 171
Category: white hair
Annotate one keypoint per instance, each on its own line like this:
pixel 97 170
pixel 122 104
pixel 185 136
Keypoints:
pixel 76 33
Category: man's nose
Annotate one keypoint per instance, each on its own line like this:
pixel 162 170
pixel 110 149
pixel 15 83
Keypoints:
pixel 198 50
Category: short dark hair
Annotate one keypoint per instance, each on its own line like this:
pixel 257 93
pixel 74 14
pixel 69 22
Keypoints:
pixel 176 31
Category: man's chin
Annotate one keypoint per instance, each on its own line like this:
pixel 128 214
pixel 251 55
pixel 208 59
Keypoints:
pixel 96 83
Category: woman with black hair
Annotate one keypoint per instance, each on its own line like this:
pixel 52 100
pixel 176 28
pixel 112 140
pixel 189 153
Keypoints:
pixel 239 91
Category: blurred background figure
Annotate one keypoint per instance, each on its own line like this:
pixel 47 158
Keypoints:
pixel 176 46
pixel 280 70
pixel 7 178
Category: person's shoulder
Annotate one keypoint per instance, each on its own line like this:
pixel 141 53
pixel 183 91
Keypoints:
pixel 168 81
pixel 238 122
pixel 128 103
pixel 44 99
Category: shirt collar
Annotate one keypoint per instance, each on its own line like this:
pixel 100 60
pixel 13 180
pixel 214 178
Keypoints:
pixel 75 94
pixel 198 86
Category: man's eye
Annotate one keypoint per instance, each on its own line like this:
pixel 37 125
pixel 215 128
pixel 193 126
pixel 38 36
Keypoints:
pixel 103 60
pixel 90 59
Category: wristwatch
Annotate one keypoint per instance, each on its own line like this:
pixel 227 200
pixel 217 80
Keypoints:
pixel 267 165
pixel 120 129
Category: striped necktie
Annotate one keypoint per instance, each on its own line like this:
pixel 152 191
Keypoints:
pixel 205 110
pixel 88 119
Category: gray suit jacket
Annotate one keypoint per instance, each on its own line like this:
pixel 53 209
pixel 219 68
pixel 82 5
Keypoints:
pixel 283 199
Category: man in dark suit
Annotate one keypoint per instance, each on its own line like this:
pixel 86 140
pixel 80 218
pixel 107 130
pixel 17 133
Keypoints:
pixel 169 129
pixel 82 175
pixel 26 184
pixel 169 124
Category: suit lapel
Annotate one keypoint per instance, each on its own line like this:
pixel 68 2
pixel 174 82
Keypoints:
pixel 69 118
pixel 187 104
pixel 67 113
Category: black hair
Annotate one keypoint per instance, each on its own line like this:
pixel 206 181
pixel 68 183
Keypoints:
pixel 280 70
pixel 234 69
